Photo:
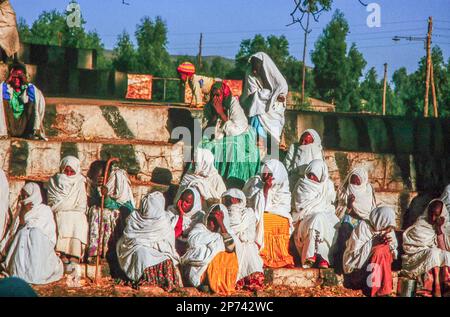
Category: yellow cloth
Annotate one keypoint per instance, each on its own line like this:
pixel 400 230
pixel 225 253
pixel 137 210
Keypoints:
pixel 275 253
pixel 222 273
pixel 201 88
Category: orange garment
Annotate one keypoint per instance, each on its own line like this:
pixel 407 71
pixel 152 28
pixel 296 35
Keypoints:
pixel 381 262
pixel 275 253
pixel 222 273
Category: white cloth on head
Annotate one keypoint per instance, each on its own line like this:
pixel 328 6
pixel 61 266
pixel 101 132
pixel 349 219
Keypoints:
pixel 119 186
pixel 204 245
pixel 314 216
pixel 243 225
pixel 205 178
pixel 148 238
pixel 68 199
pixel 278 200
pixel 364 195
pixel 31 255
pixel 445 197
pixel 237 121
pixel 191 218
pixel 359 245
pixel 264 100
pixel 299 156
pixel 421 252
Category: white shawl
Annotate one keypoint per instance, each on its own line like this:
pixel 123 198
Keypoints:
pixel 359 246
pixel 445 197
pixel 191 218
pixel 119 186
pixel 205 178
pixel 264 102
pixel 278 198
pixel 237 121
pixel 204 245
pixel 4 205
pixel 243 225
pixel 68 199
pixel 421 248
pixel 148 238
pixel 364 195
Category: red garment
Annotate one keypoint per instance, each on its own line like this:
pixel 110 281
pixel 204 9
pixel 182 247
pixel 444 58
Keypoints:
pixel 253 282
pixel 179 227
pixel 380 278
pixel 435 282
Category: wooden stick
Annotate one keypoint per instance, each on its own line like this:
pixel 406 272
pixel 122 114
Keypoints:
pixel 384 88
pixel 428 74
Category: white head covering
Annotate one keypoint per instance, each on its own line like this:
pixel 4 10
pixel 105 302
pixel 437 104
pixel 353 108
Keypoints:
pixel 313 197
pixel 445 197
pixel 310 152
pixel 148 238
pixel 190 218
pixel 119 186
pixel 364 196
pixel 4 204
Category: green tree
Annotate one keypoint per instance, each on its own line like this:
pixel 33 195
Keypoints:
pixel 371 92
pixel 125 56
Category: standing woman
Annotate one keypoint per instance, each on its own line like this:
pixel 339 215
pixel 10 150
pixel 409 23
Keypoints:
pixel 315 218
pixel 31 255
pixel 146 251
pixel 68 199
pixel 269 195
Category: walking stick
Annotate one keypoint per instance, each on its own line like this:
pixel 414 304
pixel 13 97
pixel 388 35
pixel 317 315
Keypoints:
pixel 102 207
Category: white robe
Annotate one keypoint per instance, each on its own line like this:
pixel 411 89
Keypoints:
pixel 4 206
pixel 31 255
pixel 68 199
pixel 39 111
pixel 264 101
pixel 237 121
pixel 205 178
pixel 445 197
pixel 243 225
pixel 119 186
pixel 148 238
pixel 421 252
pixel 314 217
pixel 364 195
pixel 359 246
pixel 278 200
pixel 299 156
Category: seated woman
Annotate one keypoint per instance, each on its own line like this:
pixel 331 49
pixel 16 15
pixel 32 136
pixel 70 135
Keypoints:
pixel 31 255
pixel 243 225
pixel 68 199
pixel 356 199
pixel 427 251
pixel 184 215
pixel 270 197
pixel 204 177
pixel 146 251
pixel 301 154
pixel 236 154
pixel 371 250
pixel 211 259
pixel 314 218
pixel 119 203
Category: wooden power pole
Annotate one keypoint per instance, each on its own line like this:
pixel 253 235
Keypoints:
pixel 384 88
pixel 428 74
pixel 200 47
pixel 433 92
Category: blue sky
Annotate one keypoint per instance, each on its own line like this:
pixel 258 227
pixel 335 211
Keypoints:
pixel 226 23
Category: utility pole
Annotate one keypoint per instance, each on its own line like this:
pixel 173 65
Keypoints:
pixel 433 92
pixel 384 88
pixel 200 46
pixel 428 75
pixel 307 31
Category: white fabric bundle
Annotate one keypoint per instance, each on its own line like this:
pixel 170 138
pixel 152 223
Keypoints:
pixel 264 102
pixel 421 248
pixel 243 225
pixel 148 238
pixel 359 246
pixel 278 200
pixel 364 195
pixel 31 255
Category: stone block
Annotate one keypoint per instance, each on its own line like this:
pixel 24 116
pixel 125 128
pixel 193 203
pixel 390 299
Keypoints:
pixel 296 277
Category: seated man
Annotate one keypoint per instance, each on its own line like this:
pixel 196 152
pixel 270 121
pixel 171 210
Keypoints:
pixel 236 155
pixel 427 251
pixel 23 106
pixel 200 85
pixel 211 258
pixel 371 249
pixel 32 255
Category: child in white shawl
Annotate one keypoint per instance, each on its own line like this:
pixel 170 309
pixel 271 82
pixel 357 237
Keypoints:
pixel 68 199
pixel 243 225
pixel 31 255
pixel 146 251
pixel 314 217
pixel 373 247
pixel 268 194
pixel 427 250
pixel 301 154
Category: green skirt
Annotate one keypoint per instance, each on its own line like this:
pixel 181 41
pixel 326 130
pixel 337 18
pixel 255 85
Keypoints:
pixel 235 157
